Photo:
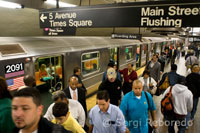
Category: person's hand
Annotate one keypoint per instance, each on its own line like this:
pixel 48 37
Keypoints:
pixel 127 130
pixel 150 85
pixel 130 81
pixel 155 124
pixel 119 102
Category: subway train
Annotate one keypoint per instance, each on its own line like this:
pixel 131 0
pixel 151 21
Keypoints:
pixel 21 56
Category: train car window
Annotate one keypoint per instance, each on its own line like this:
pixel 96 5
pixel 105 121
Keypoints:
pixel 113 54
pixel 129 53
pixel 48 71
pixel 90 62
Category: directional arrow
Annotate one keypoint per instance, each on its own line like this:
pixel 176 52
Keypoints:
pixel 42 18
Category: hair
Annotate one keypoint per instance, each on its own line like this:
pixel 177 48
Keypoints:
pixel 60 109
pixel 103 95
pixel 72 77
pixel 155 55
pixel 194 65
pixel 76 69
pixel 29 81
pixel 29 92
pixel 146 72
pixel 4 93
pixel 59 95
pixel 110 64
pixel 137 81
pixel 173 67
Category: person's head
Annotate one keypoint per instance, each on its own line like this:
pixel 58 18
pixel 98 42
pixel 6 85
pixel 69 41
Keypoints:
pixel 43 67
pixel 130 67
pixel 29 81
pixel 146 74
pixel 110 64
pixel 77 71
pixel 73 82
pixel 60 96
pixel 195 68
pixel 173 67
pixel 26 108
pixel 155 57
pixel 103 100
pixel 111 74
pixel 60 111
pixel 137 87
pixel 4 93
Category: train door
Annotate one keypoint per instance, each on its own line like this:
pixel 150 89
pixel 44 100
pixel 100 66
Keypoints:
pixel 144 54
pixel 138 57
pixel 49 72
pixel 114 52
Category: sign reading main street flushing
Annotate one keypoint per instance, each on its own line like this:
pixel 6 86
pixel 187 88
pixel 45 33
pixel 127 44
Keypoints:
pixel 138 14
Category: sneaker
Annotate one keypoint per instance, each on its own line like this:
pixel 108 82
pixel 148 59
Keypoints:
pixel 187 128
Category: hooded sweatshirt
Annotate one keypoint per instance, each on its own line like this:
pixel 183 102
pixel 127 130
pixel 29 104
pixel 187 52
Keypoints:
pixel 182 99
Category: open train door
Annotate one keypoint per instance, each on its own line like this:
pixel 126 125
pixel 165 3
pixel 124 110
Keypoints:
pixel 49 72
pixel 114 55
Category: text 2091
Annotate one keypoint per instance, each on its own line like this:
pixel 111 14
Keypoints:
pixel 14 67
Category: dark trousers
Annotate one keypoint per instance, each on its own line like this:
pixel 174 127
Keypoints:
pixel 127 87
pixel 181 123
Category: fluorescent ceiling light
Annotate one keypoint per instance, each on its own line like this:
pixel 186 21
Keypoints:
pixel 61 4
pixel 7 4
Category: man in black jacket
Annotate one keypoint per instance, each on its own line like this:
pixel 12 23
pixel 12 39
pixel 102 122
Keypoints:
pixel 113 86
pixel 192 82
pixel 26 113
pixel 73 92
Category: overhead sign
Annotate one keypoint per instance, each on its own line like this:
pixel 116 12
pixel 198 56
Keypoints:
pixel 194 39
pixel 126 36
pixel 138 14
pixel 59 31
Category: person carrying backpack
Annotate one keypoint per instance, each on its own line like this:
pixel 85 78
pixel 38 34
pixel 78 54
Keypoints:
pixel 182 102
pixel 169 79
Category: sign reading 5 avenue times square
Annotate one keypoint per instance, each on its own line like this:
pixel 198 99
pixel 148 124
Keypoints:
pixel 138 14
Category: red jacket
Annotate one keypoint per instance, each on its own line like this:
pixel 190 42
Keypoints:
pixel 132 76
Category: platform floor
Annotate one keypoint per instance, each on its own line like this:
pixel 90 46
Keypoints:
pixel 195 128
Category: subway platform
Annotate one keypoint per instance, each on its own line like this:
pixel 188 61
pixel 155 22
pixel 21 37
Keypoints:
pixel 162 128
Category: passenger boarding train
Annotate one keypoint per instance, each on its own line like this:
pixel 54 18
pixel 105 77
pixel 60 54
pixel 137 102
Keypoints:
pixel 20 56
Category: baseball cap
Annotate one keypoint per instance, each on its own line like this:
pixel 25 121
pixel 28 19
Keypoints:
pixel 111 73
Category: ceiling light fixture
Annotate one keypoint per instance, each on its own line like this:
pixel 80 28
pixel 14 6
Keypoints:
pixel 7 4
pixel 61 4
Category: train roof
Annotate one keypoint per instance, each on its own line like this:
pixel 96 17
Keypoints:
pixel 34 46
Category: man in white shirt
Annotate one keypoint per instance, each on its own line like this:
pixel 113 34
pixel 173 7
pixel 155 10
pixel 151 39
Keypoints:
pixel 75 108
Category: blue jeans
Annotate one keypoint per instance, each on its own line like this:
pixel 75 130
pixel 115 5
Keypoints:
pixel 187 119
pixel 194 109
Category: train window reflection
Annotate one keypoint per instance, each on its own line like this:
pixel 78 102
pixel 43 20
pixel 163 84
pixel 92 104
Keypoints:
pixel 90 62
pixel 129 53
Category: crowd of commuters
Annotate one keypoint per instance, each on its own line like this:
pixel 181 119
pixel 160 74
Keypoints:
pixel 124 101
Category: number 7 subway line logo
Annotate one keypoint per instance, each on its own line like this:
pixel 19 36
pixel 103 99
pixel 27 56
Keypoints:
pixel 13 70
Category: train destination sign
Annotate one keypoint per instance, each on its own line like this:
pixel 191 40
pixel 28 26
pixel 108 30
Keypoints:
pixel 138 14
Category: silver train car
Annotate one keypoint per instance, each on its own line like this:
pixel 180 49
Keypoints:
pixel 20 56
